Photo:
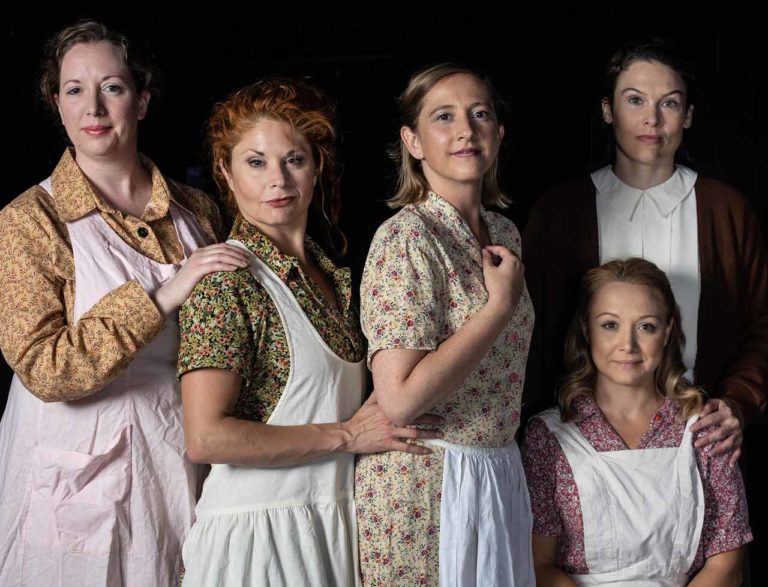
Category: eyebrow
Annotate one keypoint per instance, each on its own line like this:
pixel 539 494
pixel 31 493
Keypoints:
pixel 657 317
pixel 105 78
pixel 452 107
pixel 288 154
pixel 631 89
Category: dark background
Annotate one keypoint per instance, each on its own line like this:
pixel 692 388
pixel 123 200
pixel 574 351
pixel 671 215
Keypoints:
pixel 546 61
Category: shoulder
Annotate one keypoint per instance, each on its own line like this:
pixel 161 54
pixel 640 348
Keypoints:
pixel 719 196
pixel 567 195
pixel 407 224
pixel 200 204
pixel 30 214
pixel 223 288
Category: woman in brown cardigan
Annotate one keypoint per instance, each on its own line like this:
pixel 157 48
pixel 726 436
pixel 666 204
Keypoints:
pixel 699 230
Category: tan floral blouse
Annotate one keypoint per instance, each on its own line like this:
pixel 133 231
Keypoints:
pixel 56 358
pixel 423 280
pixel 230 322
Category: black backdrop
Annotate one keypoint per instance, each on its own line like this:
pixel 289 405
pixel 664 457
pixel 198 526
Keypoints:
pixel 547 62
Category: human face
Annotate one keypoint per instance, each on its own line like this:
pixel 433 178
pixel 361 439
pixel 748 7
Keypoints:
pixel 98 102
pixel 457 135
pixel 648 113
pixel 272 176
pixel 627 329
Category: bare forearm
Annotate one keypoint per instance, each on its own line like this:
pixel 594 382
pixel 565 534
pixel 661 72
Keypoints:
pixel 439 373
pixel 550 575
pixel 235 441
pixel 720 570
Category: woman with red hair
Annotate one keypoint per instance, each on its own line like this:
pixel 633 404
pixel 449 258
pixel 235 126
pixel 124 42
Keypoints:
pixel 272 358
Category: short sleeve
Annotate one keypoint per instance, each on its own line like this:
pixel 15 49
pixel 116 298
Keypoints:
pixel 400 289
pixel 540 452
pixel 216 327
pixel 726 524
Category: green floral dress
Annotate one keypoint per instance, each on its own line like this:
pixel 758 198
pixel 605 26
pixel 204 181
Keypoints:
pixel 230 322
pixel 423 280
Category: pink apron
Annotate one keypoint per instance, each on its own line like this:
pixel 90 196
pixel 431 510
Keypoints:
pixel 98 492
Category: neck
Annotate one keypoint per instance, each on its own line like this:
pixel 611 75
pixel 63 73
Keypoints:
pixel 642 176
pixel 123 183
pixel 467 199
pixel 288 240
pixel 625 402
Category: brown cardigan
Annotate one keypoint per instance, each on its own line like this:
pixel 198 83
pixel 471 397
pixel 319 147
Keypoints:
pixel 560 243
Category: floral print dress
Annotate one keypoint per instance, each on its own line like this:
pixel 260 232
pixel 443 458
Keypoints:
pixel 423 280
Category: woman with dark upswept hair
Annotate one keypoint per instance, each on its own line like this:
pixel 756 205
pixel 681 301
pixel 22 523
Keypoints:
pixel 95 488
pixel 271 368
pixel 699 231
pixel 619 494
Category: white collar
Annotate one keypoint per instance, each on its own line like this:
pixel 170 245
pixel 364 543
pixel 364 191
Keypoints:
pixel 624 199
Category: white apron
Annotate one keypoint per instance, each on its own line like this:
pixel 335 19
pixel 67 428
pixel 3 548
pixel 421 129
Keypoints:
pixel 285 526
pixel 98 492
pixel 485 518
pixel 643 510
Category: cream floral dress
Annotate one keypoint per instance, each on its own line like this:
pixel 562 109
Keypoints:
pixel 423 280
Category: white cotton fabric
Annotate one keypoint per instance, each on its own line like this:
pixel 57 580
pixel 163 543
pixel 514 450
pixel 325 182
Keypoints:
pixel 98 492
pixel 658 224
pixel 285 526
pixel 642 509
pixel 485 518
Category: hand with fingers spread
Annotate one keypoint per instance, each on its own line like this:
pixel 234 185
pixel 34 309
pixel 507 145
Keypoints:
pixel 371 431
pixel 723 421
pixel 504 275
pixel 205 260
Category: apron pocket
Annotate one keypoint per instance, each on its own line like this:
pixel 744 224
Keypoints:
pixel 80 502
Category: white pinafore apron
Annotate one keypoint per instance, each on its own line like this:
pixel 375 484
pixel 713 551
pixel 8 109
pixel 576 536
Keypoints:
pixel 98 492
pixel 643 510
pixel 485 518
pixel 286 526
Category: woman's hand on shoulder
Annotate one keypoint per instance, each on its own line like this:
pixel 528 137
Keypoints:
pixel 504 275
pixel 723 418
pixel 205 260
pixel 370 431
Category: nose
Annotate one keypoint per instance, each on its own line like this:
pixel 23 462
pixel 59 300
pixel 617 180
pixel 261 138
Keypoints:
pixel 96 106
pixel 628 341
pixel 652 115
pixel 279 177
pixel 465 127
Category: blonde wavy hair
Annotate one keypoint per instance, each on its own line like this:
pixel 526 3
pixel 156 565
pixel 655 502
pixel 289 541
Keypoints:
pixel 412 186
pixel 580 368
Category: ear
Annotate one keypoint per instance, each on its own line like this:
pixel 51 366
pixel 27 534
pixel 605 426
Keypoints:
pixel 58 106
pixel 144 98
pixel 227 176
pixel 501 133
pixel 607 109
pixel 412 143
pixel 688 122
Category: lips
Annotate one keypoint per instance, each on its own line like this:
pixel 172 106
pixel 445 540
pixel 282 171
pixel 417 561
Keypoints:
pixel 649 139
pixel 281 202
pixel 96 130
pixel 469 152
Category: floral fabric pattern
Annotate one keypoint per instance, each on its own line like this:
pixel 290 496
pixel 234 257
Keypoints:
pixel 555 497
pixel 423 280
pixel 52 355
pixel 230 322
